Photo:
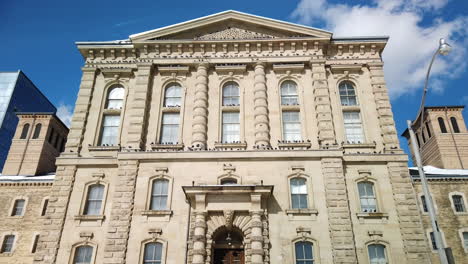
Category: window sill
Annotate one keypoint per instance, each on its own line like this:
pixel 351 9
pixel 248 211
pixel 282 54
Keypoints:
pixel 359 145
pixel 351 108
pixel 294 145
pixel 305 211
pixel 291 107
pixel 171 109
pixel 460 213
pixel 104 148
pixel 230 145
pixel 230 108
pixel 89 217
pixel 6 254
pixel 15 216
pixel 288 67
pixel 167 146
pixel 381 217
pixel 112 111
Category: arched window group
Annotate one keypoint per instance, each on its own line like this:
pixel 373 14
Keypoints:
pixel 455 127
pixel 441 121
pixel 24 132
pixel 37 131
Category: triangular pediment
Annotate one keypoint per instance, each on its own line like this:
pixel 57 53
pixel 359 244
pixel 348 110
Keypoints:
pixel 231 25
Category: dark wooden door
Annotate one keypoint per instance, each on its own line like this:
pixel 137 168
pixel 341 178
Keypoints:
pixel 229 256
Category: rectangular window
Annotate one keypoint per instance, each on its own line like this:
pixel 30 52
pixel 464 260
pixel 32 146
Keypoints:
pixel 424 204
pixel 110 130
pixel 34 247
pixel 433 242
pixel 231 127
pixel 7 245
pixel 298 193
pixel 377 254
pixel 367 197
pixel 353 127
pixel 291 126
pixel 94 200
pixel 44 207
pixel 458 203
pixel 159 195
pixel 18 208
pixel 465 239
pixel 170 128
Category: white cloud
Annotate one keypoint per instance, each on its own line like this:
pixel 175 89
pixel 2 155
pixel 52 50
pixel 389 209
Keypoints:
pixel 64 112
pixel 411 44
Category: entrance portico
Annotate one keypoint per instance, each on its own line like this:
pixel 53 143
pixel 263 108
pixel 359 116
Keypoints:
pixel 234 210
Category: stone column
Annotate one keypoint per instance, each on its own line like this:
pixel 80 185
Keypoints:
pixel 80 115
pixel 262 126
pixel 49 239
pixel 200 108
pixel 139 107
pixel 409 217
pixel 339 217
pixel 256 237
pixel 384 109
pixel 326 131
pixel 199 250
pixel 123 197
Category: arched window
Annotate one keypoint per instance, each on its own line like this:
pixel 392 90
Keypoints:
pixel 377 254
pixel 367 197
pixel 298 193
pixel 159 194
pixel 231 94
pixel 443 129
pixel 18 207
pixel 153 253
pixel 428 130
pixel 94 200
pixel 173 95
pixel 24 132
pixel 37 131
pixel 455 127
pixel 458 203
pixel 289 93
pixel 228 181
pixel 347 93
pixel 115 98
pixel 83 255
pixel 304 252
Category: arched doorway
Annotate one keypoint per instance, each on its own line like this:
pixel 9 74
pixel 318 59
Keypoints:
pixel 228 246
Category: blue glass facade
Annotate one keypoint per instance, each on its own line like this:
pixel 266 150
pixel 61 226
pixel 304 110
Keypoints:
pixel 17 94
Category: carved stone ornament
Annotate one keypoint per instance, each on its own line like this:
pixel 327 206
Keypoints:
pixel 229 217
pixel 234 33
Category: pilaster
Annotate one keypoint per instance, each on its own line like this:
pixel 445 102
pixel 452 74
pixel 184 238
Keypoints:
pixel 409 216
pixel 200 108
pixel 256 237
pixel 339 217
pixel 262 126
pixel 199 238
pixel 80 115
pixel 139 106
pixel 326 131
pixel 123 198
pixel 49 239
pixel 384 109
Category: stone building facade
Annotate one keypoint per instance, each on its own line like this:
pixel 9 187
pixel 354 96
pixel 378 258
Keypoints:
pixel 233 138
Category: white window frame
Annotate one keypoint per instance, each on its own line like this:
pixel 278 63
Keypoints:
pixel 83 243
pixel 13 247
pixel 85 197
pixel 181 91
pixel 12 206
pixel 450 196
pixel 374 189
pixel 223 131
pixel 150 192
pixel 162 125
pixel 355 93
pixel 428 236
pixel 283 127
pixel 153 240
pixel 289 96
pixel 223 96
pixel 460 233
pixel 315 247
pixel 383 243
pixel 363 136
pixel 308 179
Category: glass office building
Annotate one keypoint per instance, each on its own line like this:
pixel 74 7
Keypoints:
pixel 17 94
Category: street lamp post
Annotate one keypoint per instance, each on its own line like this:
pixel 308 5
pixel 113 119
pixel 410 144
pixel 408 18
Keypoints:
pixel 443 49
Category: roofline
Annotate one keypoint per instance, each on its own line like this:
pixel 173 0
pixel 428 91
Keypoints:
pixel 44 113
pixel 99 42
pixel 444 106
pixel 362 38
pixel 222 13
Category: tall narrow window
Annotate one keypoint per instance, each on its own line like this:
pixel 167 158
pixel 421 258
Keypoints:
pixel 347 94
pixel 115 98
pixel 433 242
pixel 18 207
pixel 428 130
pixel 367 197
pixel 159 194
pixel 83 255
pixel 37 131
pixel 35 241
pixel 298 193
pixel 173 95
pixel 418 140
pixel 24 132
pixel 455 127
pixel 304 252
pixel 423 136
pixel 465 239
pixel 441 121
pixel 423 203
pixel 377 254
pixel 289 93
pixel 94 199
pixel 110 130
pixel 44 207
pixel 170 128
pixel 291 126
pixel 153 253
pixel 458 203
pixel 51 135
pixel 7 245
pixel 353 127
pixel 231 94
pixel 231 127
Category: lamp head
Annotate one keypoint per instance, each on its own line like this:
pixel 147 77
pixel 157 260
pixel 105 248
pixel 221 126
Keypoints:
pixel 444 48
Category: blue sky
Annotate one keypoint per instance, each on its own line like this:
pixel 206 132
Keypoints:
pixel 38 37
